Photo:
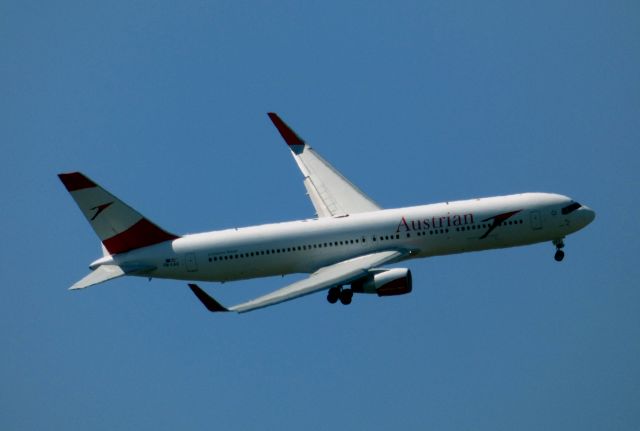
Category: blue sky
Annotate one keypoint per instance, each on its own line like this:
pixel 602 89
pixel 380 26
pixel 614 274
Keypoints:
pixel 164 103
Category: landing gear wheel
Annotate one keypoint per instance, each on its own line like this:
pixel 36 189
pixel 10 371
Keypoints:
pixel 333 295
pixel 559 243
pixel 345 296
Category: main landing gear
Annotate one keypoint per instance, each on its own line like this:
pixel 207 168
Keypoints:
pixel 344 295
pixel 559 243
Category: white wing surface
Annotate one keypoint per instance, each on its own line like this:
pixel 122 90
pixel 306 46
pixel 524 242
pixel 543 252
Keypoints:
pixel 332 195
pixel 338 274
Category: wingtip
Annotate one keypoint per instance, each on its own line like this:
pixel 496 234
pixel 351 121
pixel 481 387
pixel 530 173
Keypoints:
pixel 210 303
pixel 287 133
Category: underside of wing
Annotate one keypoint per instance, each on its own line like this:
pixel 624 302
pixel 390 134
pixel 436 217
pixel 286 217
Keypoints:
pixel 338 274
pixel 330 192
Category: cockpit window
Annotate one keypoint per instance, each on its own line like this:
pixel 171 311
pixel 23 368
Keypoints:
pixel 571 208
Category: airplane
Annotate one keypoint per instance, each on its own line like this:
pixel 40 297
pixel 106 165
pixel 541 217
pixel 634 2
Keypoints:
pixel 343 249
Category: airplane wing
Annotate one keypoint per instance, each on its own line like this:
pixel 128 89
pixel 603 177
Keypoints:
pixel 338 274
pixel 331 194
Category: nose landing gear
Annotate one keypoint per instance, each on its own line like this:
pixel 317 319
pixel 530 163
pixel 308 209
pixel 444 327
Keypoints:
pixel 559 243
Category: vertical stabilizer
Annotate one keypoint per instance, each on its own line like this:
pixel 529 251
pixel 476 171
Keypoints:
pixel 119 227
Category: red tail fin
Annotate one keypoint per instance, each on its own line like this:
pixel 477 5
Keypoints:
pixel 119 227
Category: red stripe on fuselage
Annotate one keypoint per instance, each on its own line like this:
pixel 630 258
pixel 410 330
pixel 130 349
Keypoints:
pixel 76 181
pixel 141 234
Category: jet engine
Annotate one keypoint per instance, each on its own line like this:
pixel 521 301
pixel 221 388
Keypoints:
pixel 390 282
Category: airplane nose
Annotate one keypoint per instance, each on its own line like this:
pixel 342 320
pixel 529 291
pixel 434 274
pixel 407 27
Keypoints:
pixel 587 214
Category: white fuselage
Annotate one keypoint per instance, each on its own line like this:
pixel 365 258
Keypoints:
pixel 306 245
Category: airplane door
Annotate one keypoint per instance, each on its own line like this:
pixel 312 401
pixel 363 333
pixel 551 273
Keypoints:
pixel 536 220
pixel 191 263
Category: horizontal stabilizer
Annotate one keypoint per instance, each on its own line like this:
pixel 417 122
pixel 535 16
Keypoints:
pixel 100 275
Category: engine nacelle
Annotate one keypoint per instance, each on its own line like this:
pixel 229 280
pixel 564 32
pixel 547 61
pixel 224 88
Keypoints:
pixel 391 282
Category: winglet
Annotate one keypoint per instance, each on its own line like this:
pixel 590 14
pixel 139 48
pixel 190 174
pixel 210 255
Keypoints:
pixel 211 304
pixel 289 136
